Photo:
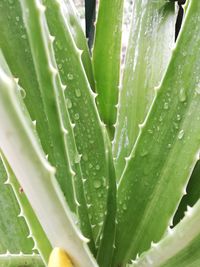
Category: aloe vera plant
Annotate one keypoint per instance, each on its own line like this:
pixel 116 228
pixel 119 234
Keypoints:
pixel 99 162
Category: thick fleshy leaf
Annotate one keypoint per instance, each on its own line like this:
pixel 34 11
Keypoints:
pixel 52 92
pixel 16 49
pixel 192 194
pixel 107 237
pixel 25 260
pixel 107 58
pixel 166 150
pixel 13 230
pixel 36 175
pixel 41 243
pixel 29 78
pixel 88 128
pixel 148 53
pixel 180 248
pixel 79 38
pixel 36 232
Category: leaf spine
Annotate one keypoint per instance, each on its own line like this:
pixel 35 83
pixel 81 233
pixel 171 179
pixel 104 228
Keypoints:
pixel 41 8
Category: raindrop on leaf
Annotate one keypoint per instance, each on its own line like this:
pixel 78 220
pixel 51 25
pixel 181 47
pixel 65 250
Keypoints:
pixel 78 92
pixel 97 184
pixel 180 134
pixel 70 76
pixel 182 95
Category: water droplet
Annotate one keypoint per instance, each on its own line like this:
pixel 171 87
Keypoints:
pixel 78 92
pixel 181 134
pixel 77 158
pixel 166 105
pixel 178 117
pixel 23 36
pixel 90 166
pixel 100 195
pixel 76 116
pixel 85 157
pixel 97 167
pixel 22 93
pixel 70 76
pixel 101 215
pixel 176 126
pixel 89 205
pixel 17 18
pixel 60 66
pixel 182 95
pixel 169 146
pixel 124 207
pixel 97 184
pixel 69 103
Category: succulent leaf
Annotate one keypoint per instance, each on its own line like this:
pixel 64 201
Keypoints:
pixel 149 49
pixel 180 247
pixel 106 59
pixel 165 152
pixel 13 230
pixel 79 38
pixel 37 176
pixel 192 194
pixel 13 260
pixel 88 128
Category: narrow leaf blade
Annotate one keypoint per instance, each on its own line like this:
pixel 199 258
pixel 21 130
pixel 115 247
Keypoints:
pixel 13 230
pixel 107 58
pixel 180 247
pixel 166 150
pixel 13 260
pixel 37 176
pixel 192 194
pixel 149 50
pixel 88 128
pixel 79 38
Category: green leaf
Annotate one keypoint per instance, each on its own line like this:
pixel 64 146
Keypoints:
pixel 148 53
pixel 88 128
pixel 106 59
pixel 20 260
pixel 180 248
pixel 79 38
pixel 41 243
pixel 36 232
pixel 107 237
pixel 28 78
pixel 16 49
pixel 166 150
pixel 68 158
pixel 37 176
pixel 52 92
pixel 192 194
pixel 13 230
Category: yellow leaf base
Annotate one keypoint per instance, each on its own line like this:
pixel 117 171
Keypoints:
pixel 59 258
